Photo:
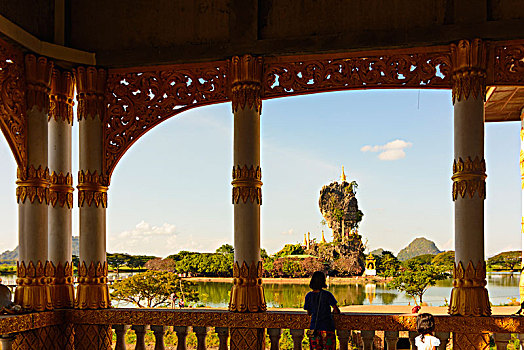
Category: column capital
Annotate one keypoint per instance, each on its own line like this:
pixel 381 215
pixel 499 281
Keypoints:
pixel 468 60
pixel 62 96
pixel 38 73
pixel 246 81
pixel 90 86
pixel 92 189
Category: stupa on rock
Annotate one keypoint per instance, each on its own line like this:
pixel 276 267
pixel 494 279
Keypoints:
pixel 339 207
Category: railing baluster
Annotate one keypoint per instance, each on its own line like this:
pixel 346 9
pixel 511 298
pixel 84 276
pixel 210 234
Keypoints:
pixel 501 340
pixel 181 334
pixel 297 335
pixel 274 337
pixel 120 331
pixel 444 339
pixel 140 331
pixel 201 334
pixel 223 334
pixel 391 339
pixel 343 338
pixel 367 339
pixel 159 332
pixel 412 335
pixel 521 339
pixel 7 341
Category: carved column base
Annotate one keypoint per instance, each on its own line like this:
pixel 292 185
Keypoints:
pixel 247 338
pixel 61 286
pixel 32 291
pixel 475 341
pixel 247 294
pixel 62 295
pixel 92 291
pixel 469 296
pixel 88 337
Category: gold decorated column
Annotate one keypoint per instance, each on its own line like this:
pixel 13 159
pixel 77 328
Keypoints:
pixel 92 290
pixel 469 296
pixel 61 189
pixel 247 294
pixel 32 192
pixel 521 283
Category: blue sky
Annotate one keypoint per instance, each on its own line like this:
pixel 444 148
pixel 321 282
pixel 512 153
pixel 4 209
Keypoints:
pixel 172 191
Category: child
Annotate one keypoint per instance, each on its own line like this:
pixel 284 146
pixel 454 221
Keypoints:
pixel 425 326
pixel 318 305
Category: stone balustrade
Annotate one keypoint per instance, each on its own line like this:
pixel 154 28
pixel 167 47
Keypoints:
pixel 361 328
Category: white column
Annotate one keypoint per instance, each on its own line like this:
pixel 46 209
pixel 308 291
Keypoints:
pixel 247 294
pixel 469 295
pixel 61 189
pixel 92 291
pixel 32 192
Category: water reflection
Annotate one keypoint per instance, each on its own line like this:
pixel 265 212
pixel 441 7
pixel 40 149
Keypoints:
pixel 501 286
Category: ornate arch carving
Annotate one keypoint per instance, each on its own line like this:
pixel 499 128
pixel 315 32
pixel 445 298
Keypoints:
pixel 140 99
pixel 412 68
pixel 12 101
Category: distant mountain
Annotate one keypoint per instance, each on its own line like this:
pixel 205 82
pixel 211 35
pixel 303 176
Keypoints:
pixel 377 251
pixel 419 246
pixel 13 254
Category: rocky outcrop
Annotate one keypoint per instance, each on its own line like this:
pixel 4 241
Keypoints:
pixel 339 207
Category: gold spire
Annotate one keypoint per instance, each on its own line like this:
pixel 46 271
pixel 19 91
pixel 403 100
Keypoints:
pixel 343 176
pixel 323 239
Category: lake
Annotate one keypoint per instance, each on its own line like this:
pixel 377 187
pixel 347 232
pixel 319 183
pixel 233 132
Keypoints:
pixel 501 287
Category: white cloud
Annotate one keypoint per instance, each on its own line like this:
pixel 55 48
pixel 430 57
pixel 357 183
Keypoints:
pixel 162 240
pixel 390 151
pixel 289 232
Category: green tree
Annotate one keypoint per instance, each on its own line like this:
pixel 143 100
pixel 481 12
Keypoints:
pixel 117 260
pixel 446 260
pixel 389 265
pixel 414 279
pixel 153 288
pixel 290 249
pixel 424 259
pixel 225 249
pixel 507 260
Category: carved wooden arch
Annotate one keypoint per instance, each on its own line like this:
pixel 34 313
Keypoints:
pixel 138 99
pixel 12 101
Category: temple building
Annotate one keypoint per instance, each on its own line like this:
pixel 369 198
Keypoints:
pixel 127 66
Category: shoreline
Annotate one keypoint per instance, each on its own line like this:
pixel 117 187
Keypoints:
pixel 290 280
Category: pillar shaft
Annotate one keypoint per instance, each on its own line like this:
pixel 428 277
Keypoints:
pixel 521 283
pixel 92 291
pixel 61 189
pixel 469 295
pixel 32 192
pixel 247 294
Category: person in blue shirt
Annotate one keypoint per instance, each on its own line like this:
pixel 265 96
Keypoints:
pixel 318 305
